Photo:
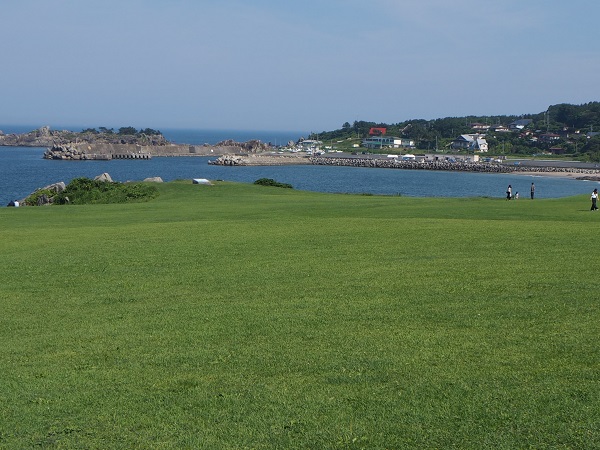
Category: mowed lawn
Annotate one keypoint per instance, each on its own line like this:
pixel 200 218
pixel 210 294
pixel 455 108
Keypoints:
pixel 239 316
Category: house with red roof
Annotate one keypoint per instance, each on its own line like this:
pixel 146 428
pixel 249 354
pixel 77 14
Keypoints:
pixel 377 131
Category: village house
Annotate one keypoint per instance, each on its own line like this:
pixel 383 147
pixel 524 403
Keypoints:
pixel 311 145
pixel 480 126
pixel 518 125
pixel 548 138
pixel 377 131
pixel 473 142
pixel 374 142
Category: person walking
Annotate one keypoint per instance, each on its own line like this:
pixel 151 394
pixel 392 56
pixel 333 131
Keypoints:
pixel 509 192
pixel 594 199
pixel 532 190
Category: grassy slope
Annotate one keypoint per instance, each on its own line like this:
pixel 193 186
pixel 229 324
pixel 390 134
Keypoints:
pixel 242 316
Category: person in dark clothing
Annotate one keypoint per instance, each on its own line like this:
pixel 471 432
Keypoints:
pixel 509 192
pixel 532 190
pixel 594 199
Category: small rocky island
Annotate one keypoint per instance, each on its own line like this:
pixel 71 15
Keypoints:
pixel 126 143
pixel 45 137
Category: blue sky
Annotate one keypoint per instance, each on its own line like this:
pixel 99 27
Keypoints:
pixel 291 65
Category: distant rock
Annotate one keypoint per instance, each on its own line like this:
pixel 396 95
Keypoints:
pixel 46 137
pixel 252 146
pixel 43 200
pixel 154 179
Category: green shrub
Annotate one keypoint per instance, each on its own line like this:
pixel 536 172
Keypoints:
pixel 86 191
pixel 272 182
pixel 32 200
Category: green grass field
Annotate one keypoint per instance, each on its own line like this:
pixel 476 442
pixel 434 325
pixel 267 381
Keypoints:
pixel 239 316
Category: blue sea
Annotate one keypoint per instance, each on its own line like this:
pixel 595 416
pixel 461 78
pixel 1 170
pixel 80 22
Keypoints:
pixel 22 170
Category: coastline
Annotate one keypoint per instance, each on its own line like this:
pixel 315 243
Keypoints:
pixel 554 170
pixel 23 170
pixel 584 175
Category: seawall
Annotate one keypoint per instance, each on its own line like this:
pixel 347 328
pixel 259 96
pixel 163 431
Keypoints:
pixel 104 151
pixel 587 173
pixel 393 163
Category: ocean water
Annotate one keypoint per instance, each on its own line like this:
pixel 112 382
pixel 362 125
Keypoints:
pixel 22 170
pixel 278 138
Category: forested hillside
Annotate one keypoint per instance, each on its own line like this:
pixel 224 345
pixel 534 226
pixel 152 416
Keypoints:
pixel 563 128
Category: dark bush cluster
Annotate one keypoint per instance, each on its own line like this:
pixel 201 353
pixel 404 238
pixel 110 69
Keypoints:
pixel 272 182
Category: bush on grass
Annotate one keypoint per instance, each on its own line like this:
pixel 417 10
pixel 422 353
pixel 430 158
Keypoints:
pixel 272 182
pixel 83 190
pixel 33 199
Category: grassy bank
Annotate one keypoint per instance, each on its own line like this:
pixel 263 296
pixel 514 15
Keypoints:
pixel 242 316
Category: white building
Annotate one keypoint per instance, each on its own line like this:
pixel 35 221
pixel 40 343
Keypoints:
pixel 311 144
pixel 388 142
pixel 474 142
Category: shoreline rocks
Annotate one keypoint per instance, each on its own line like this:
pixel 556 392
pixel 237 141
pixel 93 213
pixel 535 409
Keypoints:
pixel 260 160
pixel 412 165
pixel 458 166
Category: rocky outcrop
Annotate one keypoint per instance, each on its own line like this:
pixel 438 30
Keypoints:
pixel 153 180
pixel 252 146
pixel 106 145
pixel 55 187
pixel 45 137
pixel 42 137
pixel 45 195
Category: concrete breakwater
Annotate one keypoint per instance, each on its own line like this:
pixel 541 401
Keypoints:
pixel 103 151
pixel 71 153
pixel 394 163
pixel 260 160
pixel 458 166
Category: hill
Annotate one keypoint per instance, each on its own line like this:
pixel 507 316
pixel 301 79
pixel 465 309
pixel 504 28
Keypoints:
pixel 568 127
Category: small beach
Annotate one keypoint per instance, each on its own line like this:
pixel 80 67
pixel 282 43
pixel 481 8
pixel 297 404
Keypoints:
pixel 588 175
